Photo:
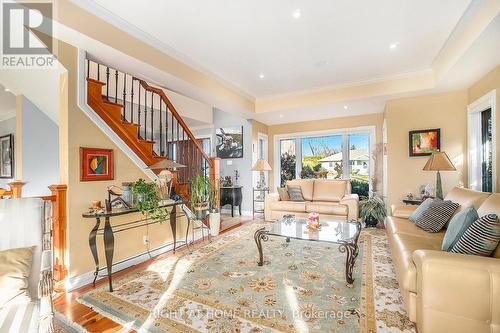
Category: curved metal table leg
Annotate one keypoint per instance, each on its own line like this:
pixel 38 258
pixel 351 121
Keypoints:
pixel 351 249
pixel 109 249
pixel 187 234
pixel 259 236
pixel 93 248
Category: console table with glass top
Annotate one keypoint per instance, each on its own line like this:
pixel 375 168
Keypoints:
pixel 344 233
pixel 108 233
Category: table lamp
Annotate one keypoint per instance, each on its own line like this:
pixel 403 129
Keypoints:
pixel 261 166
pixel 165 176
pixel 439 161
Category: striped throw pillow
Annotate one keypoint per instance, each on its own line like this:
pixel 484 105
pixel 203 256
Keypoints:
pixel 295 193
pixel 435 217
pixel 481 237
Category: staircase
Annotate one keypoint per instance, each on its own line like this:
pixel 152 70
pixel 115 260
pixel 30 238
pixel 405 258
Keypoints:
pixel 145 120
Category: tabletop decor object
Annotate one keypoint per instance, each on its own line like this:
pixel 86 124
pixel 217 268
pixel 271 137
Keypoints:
pixel 148 201
pixel 165 177
pixel 439 162
pixel 313 220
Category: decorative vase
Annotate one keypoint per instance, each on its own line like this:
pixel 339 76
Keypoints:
pixel 214 220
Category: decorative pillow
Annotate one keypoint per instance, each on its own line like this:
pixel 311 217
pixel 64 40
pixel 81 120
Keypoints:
pixel 421 208
pixel 457 226
pixel 283 193
pixel 295 193
pixel 15 266
pixel 434 218
pixel 481 238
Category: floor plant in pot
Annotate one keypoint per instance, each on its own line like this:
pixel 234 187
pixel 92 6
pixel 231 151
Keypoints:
pixel 200 196
pixel 373 210
pixel 214 212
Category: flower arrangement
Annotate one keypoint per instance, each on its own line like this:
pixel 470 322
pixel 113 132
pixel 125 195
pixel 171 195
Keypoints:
pixel 313 220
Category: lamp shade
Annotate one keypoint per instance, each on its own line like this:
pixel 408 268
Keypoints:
pixel 261 165
pixel 439 162
pixel 165 164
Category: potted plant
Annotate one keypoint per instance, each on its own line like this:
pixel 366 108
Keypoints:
pixel 214 213
pixel 373 211
pixel 148 200
pixel 200 194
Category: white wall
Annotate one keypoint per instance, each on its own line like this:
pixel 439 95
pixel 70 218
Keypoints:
pixel 8 126
pixel 243 165
pixel 40 150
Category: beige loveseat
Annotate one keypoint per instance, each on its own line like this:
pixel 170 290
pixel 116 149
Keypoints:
pixel 443 291
pixel 328 198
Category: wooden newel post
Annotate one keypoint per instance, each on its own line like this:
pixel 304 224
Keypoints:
pixel 215 177
pixel 16 189
pixel 59 222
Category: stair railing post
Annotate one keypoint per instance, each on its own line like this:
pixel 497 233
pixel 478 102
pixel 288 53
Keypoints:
pixel 107 83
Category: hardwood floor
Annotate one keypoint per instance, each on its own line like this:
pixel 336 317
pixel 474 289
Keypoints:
pixel 66 304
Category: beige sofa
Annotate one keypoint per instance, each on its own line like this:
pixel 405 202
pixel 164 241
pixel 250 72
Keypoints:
pixel 328 198
pixel 443 291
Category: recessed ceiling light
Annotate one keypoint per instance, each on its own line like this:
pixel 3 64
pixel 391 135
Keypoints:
pixel 281 116
pixel 346 107
pixel 261 76
pixel 393 46
pixel 296 14
pixel 7 89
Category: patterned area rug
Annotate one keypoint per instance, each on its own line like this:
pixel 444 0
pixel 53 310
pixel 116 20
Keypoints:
pixel 220 288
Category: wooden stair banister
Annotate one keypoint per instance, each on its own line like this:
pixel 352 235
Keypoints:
pixel 171 107
pixel 146 120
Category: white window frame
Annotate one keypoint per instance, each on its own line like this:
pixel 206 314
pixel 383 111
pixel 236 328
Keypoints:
pixel 370 130
pixel 485 102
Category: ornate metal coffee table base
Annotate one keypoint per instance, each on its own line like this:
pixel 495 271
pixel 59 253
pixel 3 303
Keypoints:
pixel 349 247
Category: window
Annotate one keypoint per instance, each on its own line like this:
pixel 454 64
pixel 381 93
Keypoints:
pixel 481 141
pixel 288 160
pixel 344 155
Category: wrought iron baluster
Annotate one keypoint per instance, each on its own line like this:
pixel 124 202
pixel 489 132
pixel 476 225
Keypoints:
pixel 132 102
pixel 145 114
pixel 172 137
pixel 124 96
pixel 116 86
pixel 98 70
pixel 166 130
pixel 139 112
pixel 161 128
pixel 88 67
pixel 152 116
pixel 107 83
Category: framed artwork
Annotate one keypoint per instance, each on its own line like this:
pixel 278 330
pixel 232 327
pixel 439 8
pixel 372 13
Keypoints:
pixel 7 156
pixel 229 142
pixel 96 164
pixel 424 142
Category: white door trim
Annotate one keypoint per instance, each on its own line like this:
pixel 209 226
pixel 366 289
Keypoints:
pixel 483 103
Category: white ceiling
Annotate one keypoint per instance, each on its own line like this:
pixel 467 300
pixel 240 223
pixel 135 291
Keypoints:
pixel 332 43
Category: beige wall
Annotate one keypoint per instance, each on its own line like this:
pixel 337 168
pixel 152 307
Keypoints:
pixel 376 119
pixel 483 86
pixel 82 132
pixel 446 111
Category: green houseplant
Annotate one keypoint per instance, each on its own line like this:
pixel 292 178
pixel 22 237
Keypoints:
pixel 200 195
pixel 148 200
pixel 373 211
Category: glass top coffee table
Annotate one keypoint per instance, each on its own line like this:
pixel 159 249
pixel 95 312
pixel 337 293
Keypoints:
pixel 344 233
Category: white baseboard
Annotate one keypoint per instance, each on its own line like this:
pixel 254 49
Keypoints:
pixel 81 280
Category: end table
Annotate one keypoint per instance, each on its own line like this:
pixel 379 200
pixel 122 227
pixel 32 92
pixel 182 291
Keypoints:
pixel 258 200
